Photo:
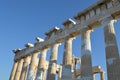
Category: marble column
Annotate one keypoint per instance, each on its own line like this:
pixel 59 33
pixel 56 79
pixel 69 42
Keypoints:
pixel 13 70
pixel 25 68
pixel 53 63
pixel 112 53
pixel 60 73
pixel 102 75
pixel 19 69
pixel 67 60
pixel 33 66
pixel 86 61
pixel 94 77
pixel 41 71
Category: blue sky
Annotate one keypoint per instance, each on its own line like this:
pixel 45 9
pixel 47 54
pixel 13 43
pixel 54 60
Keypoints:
pixel 21 21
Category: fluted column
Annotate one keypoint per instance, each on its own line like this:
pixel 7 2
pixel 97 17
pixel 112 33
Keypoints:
pixel 112 53
pixel 67 60
pixel 19 69
pixel 53 63
pixel 41 71
pixel 94 77
pixel 102 75
pixel 33 66
pixel 13 70
pixel 86 61
pixel 60 73
pixel 24 68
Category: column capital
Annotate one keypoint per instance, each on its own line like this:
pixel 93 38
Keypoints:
pixel 44 50
pixel 70 38
pixel 27 58
pixel 102 71
pixel 107 20
pixel 21 59
pixel 56 44
pixel 90 30
pixel 86 36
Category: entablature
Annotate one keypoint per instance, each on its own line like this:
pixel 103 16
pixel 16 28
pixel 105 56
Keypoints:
pixel 103 8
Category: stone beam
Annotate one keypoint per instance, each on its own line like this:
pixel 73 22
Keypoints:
pixel 69 23
pixel 84 22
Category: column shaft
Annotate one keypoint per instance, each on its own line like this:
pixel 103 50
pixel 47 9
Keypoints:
pixel 112 54
pixel 60 73
pixel 86 61
pixel 13 70
pixel 41 71
pixel 102 75
pixel 33 66
pixel 53 63
pixel 19 69
pixel 67 60
pixel 25 68
pixel 94 77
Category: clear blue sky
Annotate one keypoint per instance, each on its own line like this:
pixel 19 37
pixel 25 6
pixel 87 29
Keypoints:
pixel 21 21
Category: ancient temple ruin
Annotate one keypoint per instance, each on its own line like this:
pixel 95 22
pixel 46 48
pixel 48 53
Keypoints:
pixel 103 13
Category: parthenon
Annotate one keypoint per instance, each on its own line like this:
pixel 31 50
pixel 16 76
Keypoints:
pixel 30 63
